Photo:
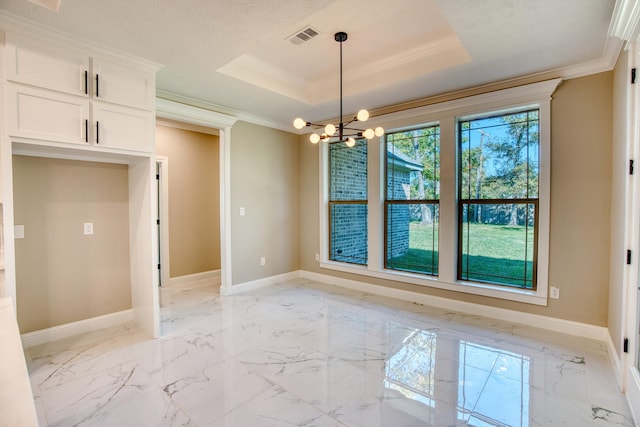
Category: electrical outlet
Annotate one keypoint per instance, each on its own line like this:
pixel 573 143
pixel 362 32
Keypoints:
pixel 555 292
pixel 88 228
pixel 263 261
pixel 317 257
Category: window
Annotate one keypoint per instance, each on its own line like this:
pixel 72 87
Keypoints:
pixel 455 196
pixel 412 198
pixel 498 198
pixel 348 212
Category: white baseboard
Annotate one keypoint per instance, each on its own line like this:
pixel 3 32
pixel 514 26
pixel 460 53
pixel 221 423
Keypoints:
pixel 260 283
pixel 205 275
pixel 583 330
pixel 614 358
pixel 67 330
pixel 549 323
pixel 633 396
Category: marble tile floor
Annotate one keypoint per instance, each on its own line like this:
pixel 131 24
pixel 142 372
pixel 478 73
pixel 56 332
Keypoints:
pixel 308 354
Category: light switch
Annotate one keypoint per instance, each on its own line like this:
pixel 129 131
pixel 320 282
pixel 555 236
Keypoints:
pixel 242 211
pixel 18 231
pixel 88 228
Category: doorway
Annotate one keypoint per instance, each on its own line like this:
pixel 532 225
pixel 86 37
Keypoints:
pixel 181 112
pixel 188 204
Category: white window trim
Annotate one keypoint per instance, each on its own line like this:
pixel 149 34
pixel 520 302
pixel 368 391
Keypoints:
pixel 536 95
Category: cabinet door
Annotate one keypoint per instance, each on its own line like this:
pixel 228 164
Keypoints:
pixel 49 66
pixel 123 84
pixel 120 127
pixel 47 115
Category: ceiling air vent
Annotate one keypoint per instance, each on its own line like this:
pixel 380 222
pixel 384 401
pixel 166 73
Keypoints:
pixel 304 35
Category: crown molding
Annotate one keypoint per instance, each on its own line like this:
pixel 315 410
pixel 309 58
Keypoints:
pixel 606 62
pixel 53 5
pixel 625 22
pixel 250 69
pixel 205 111
pixel 467 106
pixel 29 28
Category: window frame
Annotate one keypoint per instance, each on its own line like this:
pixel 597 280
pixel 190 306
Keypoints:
pixel 446 114
pixel 462 202
pixel 390 201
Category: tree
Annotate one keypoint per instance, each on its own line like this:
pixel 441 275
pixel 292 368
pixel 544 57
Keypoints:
pixel 504 164
pixel 422 145
pixel 516 160
pixel 472 171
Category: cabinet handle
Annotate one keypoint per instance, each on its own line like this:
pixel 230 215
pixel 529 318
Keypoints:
pixel 86 130
pixel 86 82
pixel 97 132
pixel 97 85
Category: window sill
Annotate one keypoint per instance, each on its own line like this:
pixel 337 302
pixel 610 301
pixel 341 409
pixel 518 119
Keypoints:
pixel 482 289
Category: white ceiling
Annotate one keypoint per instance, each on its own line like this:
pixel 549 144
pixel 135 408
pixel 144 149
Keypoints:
pixel 235 54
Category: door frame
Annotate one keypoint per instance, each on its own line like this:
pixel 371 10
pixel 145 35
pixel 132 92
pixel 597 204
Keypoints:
pixel 630 310
pixel 624 29
pixel 162 182
pixel 179 113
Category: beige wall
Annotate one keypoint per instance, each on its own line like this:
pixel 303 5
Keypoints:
pixel 580 196
pixel 618 192
pixel 264 180
pixel 63 275
pixel 194 199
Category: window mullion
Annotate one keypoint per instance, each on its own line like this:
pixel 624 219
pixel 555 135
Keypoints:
pixel 375 196
pixel 448 190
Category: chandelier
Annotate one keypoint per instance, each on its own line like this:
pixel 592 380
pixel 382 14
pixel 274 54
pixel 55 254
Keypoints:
pixel 342 132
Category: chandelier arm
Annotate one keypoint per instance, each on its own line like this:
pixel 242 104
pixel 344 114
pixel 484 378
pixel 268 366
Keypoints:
pixel 317 125
pixel 344 132
pixel 353 133
pixel 345 126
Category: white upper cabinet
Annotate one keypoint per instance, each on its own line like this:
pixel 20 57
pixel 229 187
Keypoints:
pixel 31 62
pixel 78 95
pixel 115 126
pixel 122 84
pixel 43 115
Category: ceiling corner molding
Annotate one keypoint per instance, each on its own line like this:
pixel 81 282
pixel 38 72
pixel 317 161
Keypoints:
pixel 30 28
pixel 53 5
pixel 172 110
pixel 262 74
pixel 625 20
pixel 179 108
pixel 606 62
pixel 407 57
pixel 496 100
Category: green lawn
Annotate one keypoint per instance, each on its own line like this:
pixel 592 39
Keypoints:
pixel 422 256
pixel 491 253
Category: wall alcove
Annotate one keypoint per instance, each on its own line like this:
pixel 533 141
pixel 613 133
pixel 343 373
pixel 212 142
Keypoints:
pixel 76 295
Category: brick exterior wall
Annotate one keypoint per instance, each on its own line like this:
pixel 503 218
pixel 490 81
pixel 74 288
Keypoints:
pixel 398 216
pixel 348 235
pixel 349 241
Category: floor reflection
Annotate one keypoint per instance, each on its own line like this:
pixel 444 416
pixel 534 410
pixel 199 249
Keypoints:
pixel 489 385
